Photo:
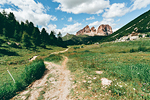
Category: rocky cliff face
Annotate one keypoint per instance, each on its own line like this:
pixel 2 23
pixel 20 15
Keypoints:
pixel 86 29
pixel 103 30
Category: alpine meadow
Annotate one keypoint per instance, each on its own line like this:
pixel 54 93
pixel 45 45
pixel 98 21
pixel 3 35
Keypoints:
pixel 75 50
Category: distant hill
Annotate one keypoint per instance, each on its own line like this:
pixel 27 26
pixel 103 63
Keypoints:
pixel 70 39
pixel 67 37
pixel 139 25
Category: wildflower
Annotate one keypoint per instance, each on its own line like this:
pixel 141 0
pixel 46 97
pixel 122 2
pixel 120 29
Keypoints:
pixel 120 85
pixel 89 81
pixel 142 95
pixel 94 78
pixel 137 73
pixel 133 88
pixel 84 81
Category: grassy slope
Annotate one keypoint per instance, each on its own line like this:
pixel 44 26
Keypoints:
pixel 142 23
pixel 15 59
pixel 129 70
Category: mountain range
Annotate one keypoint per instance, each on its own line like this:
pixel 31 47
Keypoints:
pixel 103 30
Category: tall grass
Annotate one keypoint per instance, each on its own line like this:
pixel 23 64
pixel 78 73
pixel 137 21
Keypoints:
pixel 31 72
pixel 54 57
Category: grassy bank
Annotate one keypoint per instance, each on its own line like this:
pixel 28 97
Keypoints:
pixel 30 73
pixel 129 72
pixel 15 59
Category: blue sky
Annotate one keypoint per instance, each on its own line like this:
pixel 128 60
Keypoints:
pixel 69 16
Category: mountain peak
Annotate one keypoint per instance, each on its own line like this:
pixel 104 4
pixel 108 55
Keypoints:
pixel 103 30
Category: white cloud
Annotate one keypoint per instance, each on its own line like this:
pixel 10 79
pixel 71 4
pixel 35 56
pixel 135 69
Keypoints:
pixel 118 20
pixel 72 29
pixel 104 21
pixel 82 6
pixel 29 10
pixel 138 4
pixel 116 10
pixel 62 18
pixel 70 19
pixel 90 18
pixel 108 21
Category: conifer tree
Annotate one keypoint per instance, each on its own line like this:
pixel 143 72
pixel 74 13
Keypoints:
pixel 11 25
pixel 36 37
pixel 53 39
pixel 44 37
pixel 59 39
pixel 26 40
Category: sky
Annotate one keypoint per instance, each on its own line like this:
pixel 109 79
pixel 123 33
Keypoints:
pixel 69 16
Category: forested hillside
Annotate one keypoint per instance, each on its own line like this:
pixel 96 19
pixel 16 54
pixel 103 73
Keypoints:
pixel 26 32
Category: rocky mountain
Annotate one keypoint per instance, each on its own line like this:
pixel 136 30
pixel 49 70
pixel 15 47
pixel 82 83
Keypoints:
pixel 103 30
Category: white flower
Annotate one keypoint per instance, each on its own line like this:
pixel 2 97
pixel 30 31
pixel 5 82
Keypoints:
pixel 89 81
pixel 133 88
pixel 94 78
pixel 84 81
pixel 120 85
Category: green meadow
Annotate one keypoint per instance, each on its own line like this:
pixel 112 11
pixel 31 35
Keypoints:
pixel 128 71
pixel 16 60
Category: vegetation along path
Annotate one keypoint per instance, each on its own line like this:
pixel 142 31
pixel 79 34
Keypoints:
pixel 54 85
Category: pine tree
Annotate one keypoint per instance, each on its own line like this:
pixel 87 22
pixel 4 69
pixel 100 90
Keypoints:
pixel 11 25
pixel 36 37
pixel 59 39
pixel 26 40
pixel 44 37
pixel 1 23
pixel 53 39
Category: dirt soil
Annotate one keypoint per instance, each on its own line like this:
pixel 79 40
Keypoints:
pixel 54 85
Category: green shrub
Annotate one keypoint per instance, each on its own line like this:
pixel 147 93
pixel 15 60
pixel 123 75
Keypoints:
pixel 86 51
pixel 31 72
pixel 142 48
pixel 54 57
pixel 43 46
pixel 13 45
pixel 133 50
pixel 140 36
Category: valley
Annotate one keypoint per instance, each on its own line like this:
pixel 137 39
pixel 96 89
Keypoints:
pixel 94 64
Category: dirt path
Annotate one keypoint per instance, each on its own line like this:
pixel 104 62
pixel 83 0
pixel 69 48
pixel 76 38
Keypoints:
pixel 54 85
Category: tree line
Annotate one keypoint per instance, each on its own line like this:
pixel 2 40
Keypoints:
pixel 27 33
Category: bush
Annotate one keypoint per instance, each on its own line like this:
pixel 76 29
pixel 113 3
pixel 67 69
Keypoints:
pixel 133 50
pixel 32 72
pixel 13 45
pixel 142 48
pixel 43 46
pixel 76 48
pixel 140 36
pixel 54 57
